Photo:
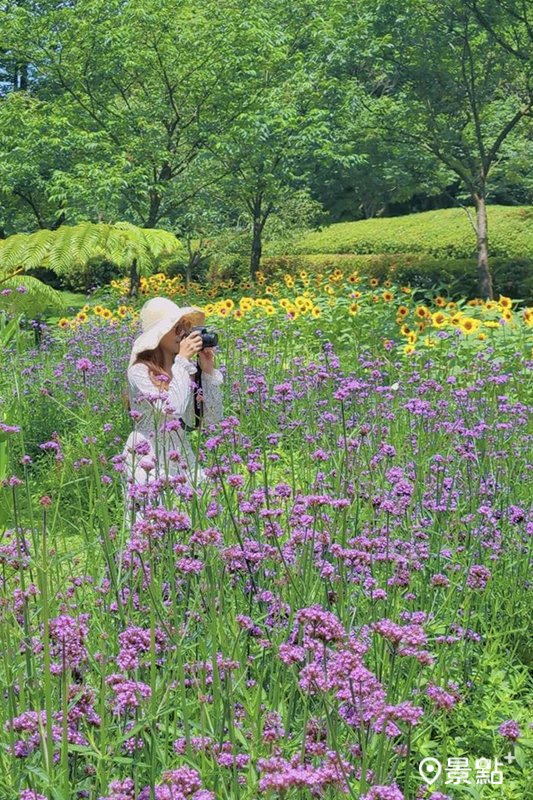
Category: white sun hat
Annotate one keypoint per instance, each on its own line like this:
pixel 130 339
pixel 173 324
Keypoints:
pixel 158 316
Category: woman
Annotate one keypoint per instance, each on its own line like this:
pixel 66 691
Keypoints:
pixel 162 380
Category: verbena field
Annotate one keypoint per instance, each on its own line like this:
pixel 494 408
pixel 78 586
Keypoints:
pixel 348 594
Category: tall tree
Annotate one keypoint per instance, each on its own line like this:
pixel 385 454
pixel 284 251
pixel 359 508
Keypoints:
pixel 440 81
pixel 151 78
pixel 266 155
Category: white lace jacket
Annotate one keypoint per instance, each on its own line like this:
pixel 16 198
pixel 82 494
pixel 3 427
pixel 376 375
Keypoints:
pixel 157 421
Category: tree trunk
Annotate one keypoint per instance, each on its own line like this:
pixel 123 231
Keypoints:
pixel 255 261
pixel 483 268
pixel 194 259
pixel 135 280
pixel 23 77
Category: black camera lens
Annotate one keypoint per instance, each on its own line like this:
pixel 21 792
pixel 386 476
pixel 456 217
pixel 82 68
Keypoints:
pixel 209 338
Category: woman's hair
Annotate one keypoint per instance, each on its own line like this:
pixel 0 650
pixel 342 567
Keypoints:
pixel 153 359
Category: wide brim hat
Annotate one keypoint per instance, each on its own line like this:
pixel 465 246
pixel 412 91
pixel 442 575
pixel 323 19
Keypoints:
pixel 158 316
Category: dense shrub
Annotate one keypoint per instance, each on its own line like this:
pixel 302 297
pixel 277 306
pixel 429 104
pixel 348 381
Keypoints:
pixel 445 233
pixel 98 272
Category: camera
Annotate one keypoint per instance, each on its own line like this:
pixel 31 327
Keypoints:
pixel 209 338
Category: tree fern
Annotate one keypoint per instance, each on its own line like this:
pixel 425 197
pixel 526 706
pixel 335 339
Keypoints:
pixel 35 298
pixel 70 248
pixel 38 247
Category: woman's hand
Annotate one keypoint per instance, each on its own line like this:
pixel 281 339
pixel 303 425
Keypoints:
pixel 206 359
pixel 190 345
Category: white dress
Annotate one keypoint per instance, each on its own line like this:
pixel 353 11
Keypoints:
pixel 165 449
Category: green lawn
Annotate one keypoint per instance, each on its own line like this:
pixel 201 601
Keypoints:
pixel 74 300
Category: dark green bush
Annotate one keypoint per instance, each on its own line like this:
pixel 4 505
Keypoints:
pixel 511 277
pixel 96 273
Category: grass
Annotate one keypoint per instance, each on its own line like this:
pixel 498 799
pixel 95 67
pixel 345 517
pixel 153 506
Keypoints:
pixel 74 300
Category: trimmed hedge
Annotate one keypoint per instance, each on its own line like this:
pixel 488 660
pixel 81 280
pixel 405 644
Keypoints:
pixel 446 233
pixel 456 276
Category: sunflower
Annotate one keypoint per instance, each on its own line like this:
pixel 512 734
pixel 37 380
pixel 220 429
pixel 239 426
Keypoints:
pixel 402 311
pixel 354 308
pixel 490 305
pixel 374 298
pixel 374 282
pixel 412 337
pixel 429 342
pixel 505 302
pixel 86 308
pixel 106 313
pixel 316 312
pixel 355 295
pixel 270 309
pixel 284 302
pixel 507 315
pixel 64 323
pixel 408 349
pixel 98 310
pixel 439 319
pixel 469 324
pixel 388 296
pixel 387 284
pixel 406 289
pixel 82 316
pixel 238 314
pixel 222 312
pixel 440 301
pixel 421 326
pixel 481 336
pixel 122 311
pixel 303 274
pixel 229 303
pixel 421 312
pixel 451 305
pixel 405 330
pixel 352 278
